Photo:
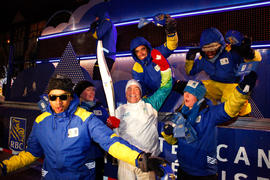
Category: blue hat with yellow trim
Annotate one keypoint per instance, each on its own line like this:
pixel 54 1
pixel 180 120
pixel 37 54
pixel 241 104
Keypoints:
pixel 195 88
pixel 234 37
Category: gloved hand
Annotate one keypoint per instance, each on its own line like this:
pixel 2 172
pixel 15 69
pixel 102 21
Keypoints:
pixel 146 163
pixel 179 86
pixel 93 27
pixel 170 25
pixel 160 60
pixel 191 54
pixel 160 19
pixel 113 122
pixel 168 129
pixel 248 83
pixel 244 48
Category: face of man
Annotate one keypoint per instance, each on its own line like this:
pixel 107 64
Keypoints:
pixel 211 54
pixel 88 94
pixel 59 100
pixel 141 52
pixel 133 94
pixel 189 99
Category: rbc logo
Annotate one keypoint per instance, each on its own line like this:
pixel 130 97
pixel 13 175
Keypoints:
pixel 17 133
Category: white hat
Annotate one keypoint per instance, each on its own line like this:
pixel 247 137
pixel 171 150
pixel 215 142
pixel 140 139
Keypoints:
pixel 133 82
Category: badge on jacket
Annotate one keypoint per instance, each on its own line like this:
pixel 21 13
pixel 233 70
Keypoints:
pixel 73 132
pixel 224 61
pixel 97 112
pixel 157 68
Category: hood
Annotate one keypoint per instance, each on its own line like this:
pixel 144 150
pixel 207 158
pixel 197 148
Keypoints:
pixel 101 10
pixel 212 35
pixel 137 42
pixel 102 15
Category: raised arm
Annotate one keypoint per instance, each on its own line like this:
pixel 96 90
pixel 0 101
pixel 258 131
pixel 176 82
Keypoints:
pixel 158 98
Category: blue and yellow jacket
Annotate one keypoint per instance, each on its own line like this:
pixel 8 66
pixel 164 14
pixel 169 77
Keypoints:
pixel 65 141
pixel 225 65
pixel 144 70
pixel 106 32
pixel 198 158
pixel 103 115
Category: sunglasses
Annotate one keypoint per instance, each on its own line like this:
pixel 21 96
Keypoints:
pixel 62 97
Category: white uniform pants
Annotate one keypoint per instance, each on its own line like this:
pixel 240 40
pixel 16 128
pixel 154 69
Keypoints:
pixel 127 171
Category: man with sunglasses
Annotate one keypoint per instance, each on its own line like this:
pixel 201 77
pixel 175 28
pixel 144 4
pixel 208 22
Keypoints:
pixel 63 134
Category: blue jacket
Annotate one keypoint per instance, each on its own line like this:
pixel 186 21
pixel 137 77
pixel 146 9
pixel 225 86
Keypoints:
pixel 106 32
pixel 144 70
pixel 222 70
pixel 66 139
pixel 103 115
pixel 198 157
pixel 226 62
pixel 203 151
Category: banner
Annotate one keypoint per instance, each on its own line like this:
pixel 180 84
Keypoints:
pixel 17 133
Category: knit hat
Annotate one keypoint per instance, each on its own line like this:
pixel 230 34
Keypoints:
pixel 81 86
pixel 62 82
pixel 133 82
pixel 195 88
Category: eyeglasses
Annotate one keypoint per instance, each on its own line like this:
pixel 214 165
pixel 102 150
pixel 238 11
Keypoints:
pixel 62 97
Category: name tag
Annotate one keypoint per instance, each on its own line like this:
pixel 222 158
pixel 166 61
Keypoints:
pixel 97 112
pixel 224 61
pixel 198 120
pixel 73 132
pixel 157 68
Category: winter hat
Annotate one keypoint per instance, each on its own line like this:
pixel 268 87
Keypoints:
pixel 234 37
pixel 195 88
pixel 133 82
pixel 62 82
pixel 81 86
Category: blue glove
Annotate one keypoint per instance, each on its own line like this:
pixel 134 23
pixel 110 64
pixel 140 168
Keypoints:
pixel 175 125
pixel 160 19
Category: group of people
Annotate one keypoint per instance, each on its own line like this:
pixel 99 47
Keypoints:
pixel 75 130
